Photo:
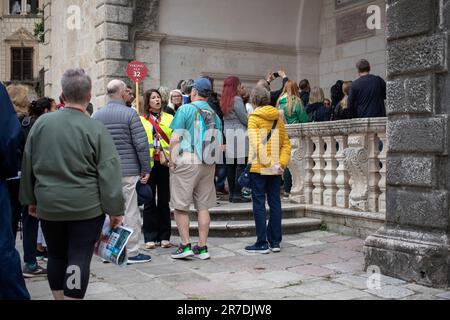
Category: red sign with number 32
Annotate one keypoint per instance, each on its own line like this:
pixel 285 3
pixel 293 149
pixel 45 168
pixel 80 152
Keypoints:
pixel 136 71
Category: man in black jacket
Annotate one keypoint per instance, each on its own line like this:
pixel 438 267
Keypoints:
pixel 367 95
pixel 12 285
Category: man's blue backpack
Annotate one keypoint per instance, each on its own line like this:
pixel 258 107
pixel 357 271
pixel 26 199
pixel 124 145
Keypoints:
pixel 208 127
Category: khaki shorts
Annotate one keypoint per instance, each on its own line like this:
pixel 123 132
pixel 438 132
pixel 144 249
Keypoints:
pixel 192 183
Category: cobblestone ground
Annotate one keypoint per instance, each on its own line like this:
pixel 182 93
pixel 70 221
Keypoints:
pixel 313 265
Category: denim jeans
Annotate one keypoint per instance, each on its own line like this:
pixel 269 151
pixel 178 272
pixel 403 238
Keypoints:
pixel 30 232
pixel 12 284
pixel 269 186
pixel 221 174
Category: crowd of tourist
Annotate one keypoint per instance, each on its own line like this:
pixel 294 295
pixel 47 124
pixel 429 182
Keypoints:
pixel 65 168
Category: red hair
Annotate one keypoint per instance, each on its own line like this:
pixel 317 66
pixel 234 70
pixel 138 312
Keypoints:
pixel 230 86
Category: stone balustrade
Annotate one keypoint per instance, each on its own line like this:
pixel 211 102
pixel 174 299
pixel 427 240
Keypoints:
pixel 340 164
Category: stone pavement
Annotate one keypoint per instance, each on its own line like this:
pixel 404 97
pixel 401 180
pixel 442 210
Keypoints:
pixel 312 266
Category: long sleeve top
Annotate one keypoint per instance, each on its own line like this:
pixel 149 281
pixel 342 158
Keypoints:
pixel 71 169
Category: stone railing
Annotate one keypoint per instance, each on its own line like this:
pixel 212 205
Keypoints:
pixel 340 164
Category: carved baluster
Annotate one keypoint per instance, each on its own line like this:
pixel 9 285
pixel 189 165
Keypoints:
pixel 308 164
pixel 357 163
pixel 374 171
pixel 382 182
pixel 297 171
pixel 329 181
pixel 342 179
pixel 319 173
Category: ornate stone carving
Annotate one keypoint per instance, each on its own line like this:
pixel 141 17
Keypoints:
pixel 296 167
pixel 352 151
pixel 382 182
pixel 356 162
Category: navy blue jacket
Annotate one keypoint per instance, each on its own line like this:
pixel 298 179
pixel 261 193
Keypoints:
pixel 366 98
pixel 317 112
pixel 10 137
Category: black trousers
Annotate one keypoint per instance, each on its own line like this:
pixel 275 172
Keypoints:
pixel 70 246
pixel 156 224
pixel 234 170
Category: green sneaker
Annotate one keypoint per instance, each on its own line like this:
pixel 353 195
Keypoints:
pixel 201 252
pixel 183 252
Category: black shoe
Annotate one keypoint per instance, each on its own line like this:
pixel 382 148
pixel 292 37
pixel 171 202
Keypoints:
pixel 240 199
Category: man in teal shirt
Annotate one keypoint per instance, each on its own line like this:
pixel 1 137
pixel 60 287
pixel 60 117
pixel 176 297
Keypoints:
pixel 191 180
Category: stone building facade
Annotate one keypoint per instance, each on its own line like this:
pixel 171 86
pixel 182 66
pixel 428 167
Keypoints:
pixel 20 58
pixel 401 188
pixel 181 39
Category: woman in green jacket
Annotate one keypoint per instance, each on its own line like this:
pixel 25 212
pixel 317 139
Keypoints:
pixel 293 111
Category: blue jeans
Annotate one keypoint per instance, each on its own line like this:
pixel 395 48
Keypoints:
pixel 221 173
pixel 30 232
pixel 12 284
pixel 269 186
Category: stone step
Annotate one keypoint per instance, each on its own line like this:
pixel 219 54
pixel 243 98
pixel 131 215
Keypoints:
pixel 246 228
pixel 226 211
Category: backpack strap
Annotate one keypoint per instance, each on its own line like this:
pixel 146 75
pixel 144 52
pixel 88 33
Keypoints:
pixel 270 133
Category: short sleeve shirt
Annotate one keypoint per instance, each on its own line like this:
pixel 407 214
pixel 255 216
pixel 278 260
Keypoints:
pixel 184 125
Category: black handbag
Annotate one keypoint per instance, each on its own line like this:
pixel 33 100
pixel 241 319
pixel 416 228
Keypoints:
pixel 245 177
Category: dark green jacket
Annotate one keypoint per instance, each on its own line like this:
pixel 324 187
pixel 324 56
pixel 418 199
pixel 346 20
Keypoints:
pixel 71 168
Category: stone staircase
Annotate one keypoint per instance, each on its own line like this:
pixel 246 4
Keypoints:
pixel 236 220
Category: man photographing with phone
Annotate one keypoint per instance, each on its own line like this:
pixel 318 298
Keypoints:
pixel 274 95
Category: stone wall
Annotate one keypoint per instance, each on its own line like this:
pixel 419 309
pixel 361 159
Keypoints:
pixel 101 46
pixel 197 37
pixel 337 61
pixel 413 245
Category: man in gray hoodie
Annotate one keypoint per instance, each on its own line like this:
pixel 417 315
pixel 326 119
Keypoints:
pixel 128 133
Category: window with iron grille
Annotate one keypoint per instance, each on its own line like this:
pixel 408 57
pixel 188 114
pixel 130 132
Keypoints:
pixel 22 64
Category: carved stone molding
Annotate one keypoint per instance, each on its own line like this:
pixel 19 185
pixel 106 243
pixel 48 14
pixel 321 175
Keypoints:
pixel 356 161
pixel 226 44
pixel 296 167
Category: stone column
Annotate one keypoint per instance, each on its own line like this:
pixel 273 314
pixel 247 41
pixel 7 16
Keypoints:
pixel 147 40
pixel 47 6
pixel 318 170
pixel 114 47
pixel 342 179
pixel 413 244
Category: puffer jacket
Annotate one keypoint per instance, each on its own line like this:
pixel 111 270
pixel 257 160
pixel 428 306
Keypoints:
pixel 128 133
pixel 278 148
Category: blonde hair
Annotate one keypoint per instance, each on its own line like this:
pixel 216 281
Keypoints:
pixel 170 104
pixel 19 97
pixel 292 91
pixel 346 90
pixel 316 95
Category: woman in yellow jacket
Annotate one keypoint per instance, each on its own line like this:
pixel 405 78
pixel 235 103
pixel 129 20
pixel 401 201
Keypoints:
pixel 156 224
pixel 269 156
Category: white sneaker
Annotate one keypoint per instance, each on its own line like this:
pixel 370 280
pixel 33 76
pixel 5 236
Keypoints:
pixel 150 245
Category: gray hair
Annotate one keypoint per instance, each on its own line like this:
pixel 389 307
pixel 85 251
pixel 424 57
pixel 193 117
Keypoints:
pixel 76 86
pixel 165 94
pixel 114 87
pixel 264 84
pixel 260 96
